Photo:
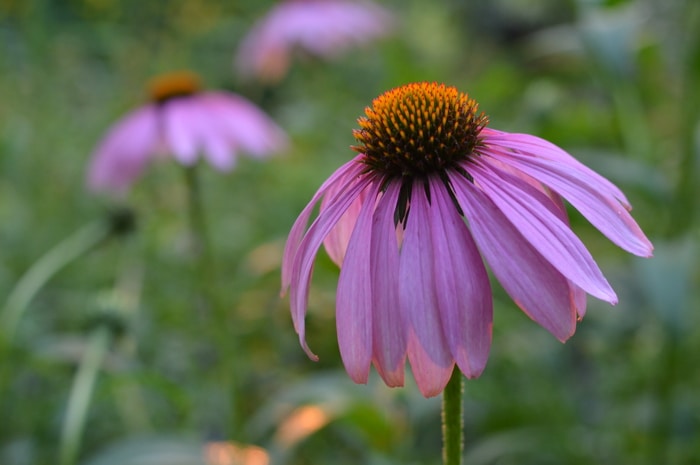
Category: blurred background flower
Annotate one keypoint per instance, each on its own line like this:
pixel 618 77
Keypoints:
pixel 321 28
pixel 185 122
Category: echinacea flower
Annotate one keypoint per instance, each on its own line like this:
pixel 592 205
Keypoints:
pixel 186 122
pixel 433 194
pixel 323 28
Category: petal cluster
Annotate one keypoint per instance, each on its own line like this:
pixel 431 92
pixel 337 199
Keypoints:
pixel 415 287
pixel 216 125
pixel 320 27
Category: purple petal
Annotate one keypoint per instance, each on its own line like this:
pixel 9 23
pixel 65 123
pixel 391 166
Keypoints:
pixel 556 206
pixel 578 299
pixel 211 135
pixel 529 211
pixel 245 126
pixel 336 182
pixel 354 295
pixel 179 121
pixel 428 352
pixel 533 146
pixel 336 242
pixel 306 253
pixel 326 28
pixel 321 27
pixel 388 325
pixel 462 284
pixel 587 191
pixel 531 281
pixel 124 152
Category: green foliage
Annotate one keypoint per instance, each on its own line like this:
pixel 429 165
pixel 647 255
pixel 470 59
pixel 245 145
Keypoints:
pixel 614 82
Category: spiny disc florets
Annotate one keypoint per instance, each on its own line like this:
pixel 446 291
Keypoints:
pixel 418 129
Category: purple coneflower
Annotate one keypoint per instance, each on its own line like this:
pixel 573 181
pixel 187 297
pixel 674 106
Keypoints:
pixel 183 121
pixel 411 219
pixel 322 28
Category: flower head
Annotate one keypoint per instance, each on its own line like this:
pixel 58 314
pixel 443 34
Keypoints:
pixel 183 121
pixel 431 196
pixel 320 27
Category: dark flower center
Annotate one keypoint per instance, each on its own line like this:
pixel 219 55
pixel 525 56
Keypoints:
pixel 173 85
pixel 418 129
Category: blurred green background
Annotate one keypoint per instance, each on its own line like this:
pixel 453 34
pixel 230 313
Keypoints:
pixel 615 83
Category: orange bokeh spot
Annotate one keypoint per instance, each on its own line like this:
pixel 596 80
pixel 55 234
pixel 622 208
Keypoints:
pixel 230 453
pixel 302 422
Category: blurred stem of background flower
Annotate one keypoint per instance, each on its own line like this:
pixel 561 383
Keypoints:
pixel 211 305
pixel 200 240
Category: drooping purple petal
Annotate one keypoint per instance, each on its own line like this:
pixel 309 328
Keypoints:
pixel 354 300
pixel 211 137
pixel 555 205
pixel 337 241
pixel 124 152
pixel 588 192
pixel 578 299
pixel 462 285
pixel 179 119
pixel 532 282
pixel 578 295
pixel 388 324
pixel 245 125
pixel 528 210
pixel 349 171
pixel 428 353
pixel 306 253
pixel 533 146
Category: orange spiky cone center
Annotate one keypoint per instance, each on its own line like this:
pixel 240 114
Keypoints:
pixel 418 129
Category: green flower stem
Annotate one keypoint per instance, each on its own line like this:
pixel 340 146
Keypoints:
pixel 452 420
pixel 205 268
pixel 81 393
pixel 47 266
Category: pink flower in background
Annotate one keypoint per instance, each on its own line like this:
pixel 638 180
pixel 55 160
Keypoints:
pixel 320 27
pixel 433 194
pixel 185 122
